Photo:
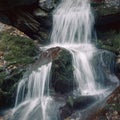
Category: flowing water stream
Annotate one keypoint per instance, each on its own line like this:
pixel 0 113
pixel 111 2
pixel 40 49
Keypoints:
pixel 73 30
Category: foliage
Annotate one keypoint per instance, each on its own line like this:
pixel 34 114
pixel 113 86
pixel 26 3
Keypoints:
pixel 17 49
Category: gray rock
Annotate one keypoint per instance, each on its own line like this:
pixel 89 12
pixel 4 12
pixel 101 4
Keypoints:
pixel 7 4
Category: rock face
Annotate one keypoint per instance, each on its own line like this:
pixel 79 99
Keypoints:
pixel 33 17
pixel 62 78
pixel 16 51
pixel 107 14
pixel 111 111
pixel 74 104
pixel 6 4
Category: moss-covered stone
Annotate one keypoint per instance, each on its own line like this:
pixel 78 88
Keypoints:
pixel 62 79
pixel 110 41
pixel 105 8
pixel 17 51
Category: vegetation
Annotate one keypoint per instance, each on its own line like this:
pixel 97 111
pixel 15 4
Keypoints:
pixel 17 49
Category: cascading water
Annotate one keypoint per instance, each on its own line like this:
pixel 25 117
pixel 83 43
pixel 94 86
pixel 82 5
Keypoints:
pixel 37 93
pixel 73 22
pixel 72 30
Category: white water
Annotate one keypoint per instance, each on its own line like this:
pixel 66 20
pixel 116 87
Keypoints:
pixel 37 92
pixel 72 29
pixel 72 22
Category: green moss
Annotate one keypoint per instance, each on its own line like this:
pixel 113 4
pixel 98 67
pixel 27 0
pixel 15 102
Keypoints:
pixel 111 41
pixel 62 73
pixel 17 49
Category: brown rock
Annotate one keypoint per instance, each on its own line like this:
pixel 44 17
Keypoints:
pixel 1 53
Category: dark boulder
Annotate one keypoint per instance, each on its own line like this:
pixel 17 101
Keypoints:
pixel 62 78
pixel 32 17
pixel 108 22
pixel 16 52
pixel 107 14
pixel 74 104
pixel 7 4
pixel 27 19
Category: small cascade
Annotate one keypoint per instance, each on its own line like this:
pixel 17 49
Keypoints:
pixel 33 91
pixel 83 72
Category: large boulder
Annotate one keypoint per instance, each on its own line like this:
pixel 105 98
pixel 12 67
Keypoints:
pixel 33 17
pixel 62 77
pixel 16 52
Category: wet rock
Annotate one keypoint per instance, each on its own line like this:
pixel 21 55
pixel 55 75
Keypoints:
pixel 46 5
pixel 2 97
pixel 111 110
pixel 33 17
pixel 62 73
pixel 47 56
pixel 108 22
pixel 74 104
pixel 111 41
pixel 6 4
pixel 107 14
pixel 118 64
pixel 16 52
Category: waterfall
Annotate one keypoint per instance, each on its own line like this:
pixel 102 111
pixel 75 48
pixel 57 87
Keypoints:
pixel 72 22
pixel 37 92
pixel 73 30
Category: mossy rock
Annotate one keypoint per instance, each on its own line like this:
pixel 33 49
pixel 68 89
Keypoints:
pixel 17 49
pixel 8 86
pixel 105 8
pixel 110 41
pixel 18 52
pixel 62 78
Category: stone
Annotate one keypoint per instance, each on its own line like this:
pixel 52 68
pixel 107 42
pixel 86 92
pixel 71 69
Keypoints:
pixel 107 14
pixel 111 108
pixel 13 61
pixel 33 17
pixel 62 73
pixel 6 4
pixel 79 103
